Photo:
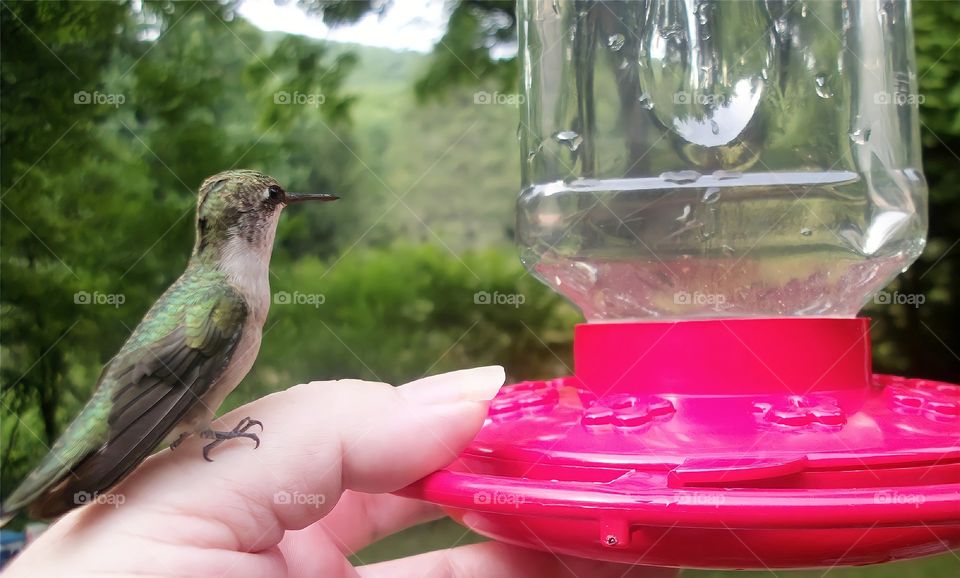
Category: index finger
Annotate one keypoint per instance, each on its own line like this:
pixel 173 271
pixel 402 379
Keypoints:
pixel 319 439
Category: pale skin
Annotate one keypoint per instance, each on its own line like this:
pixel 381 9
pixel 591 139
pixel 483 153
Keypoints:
pixel 316 491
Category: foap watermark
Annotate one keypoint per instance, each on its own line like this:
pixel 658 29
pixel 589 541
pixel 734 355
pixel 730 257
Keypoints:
pixel 98 298
pixel 484 498
pixel 914 300
pixel 97 97
pixel 314 99
pixel 698 298
pixel 504 98
pixel 898 98
pixel 713 100
pixel 894 497
pixel 283 497
pixel 298 298
pixel 498 298
pixel 82 498
pixel 715 499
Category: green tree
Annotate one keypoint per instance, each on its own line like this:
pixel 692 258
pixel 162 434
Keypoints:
pixel 467 54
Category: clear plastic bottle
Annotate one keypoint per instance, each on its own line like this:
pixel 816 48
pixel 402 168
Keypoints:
pixel 710 158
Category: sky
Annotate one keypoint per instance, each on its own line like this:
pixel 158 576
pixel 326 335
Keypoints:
pixel 407 24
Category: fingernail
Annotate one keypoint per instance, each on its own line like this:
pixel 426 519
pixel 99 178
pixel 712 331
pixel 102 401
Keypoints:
pixel 478 384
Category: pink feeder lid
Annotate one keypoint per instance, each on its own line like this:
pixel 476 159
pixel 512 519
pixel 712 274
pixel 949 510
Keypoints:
pixel 746 443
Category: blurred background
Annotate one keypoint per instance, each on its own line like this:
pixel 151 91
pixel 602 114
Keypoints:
pixel 113 112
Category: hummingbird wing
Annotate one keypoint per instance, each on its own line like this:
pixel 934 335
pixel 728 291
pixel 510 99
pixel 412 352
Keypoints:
pixel 148 387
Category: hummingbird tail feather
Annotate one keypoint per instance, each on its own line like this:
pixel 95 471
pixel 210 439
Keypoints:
pixel 52 469
pixel 102 469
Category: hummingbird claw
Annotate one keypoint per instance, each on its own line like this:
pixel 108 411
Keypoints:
pixel 240 431
pixel 179 440
pixel 246 423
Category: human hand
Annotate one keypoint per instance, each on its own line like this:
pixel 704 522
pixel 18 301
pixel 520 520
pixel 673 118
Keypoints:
pixel 311 495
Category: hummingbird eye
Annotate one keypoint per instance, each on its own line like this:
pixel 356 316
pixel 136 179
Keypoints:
pixel 275 193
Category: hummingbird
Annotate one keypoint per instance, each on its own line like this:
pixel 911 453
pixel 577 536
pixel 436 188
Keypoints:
pixel 192 348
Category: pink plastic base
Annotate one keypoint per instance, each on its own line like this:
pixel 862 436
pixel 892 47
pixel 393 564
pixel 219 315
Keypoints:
pixel 750 444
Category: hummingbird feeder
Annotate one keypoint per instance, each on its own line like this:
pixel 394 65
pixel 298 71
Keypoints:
pixel 719 187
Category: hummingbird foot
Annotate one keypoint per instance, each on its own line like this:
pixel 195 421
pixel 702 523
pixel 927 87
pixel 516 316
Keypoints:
pixel 179 440
pixel 240 431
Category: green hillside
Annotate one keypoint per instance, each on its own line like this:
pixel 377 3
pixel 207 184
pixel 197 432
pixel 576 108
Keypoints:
pixel 453 162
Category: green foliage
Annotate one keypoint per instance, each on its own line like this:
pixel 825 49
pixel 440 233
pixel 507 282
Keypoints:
pixel 465 53
pixel 343 11
pixel 40 205
pixel 935 26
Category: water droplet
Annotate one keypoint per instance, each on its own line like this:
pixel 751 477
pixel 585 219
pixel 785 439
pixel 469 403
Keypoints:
pixel 860 136
pixel 615 41
pixel 532 153
pixel 806 232
pixel 645 101
pixel 569 138
pixel 889 11
pixel 714 127
pixel 823 89
pixel 685 215
pixel 781 25
pixel 711 195
pixel 680 177
pixel 722 175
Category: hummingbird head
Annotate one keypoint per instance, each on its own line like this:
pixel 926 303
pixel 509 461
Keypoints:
pixel 239 209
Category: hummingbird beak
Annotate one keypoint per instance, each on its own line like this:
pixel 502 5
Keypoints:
pixel 292 198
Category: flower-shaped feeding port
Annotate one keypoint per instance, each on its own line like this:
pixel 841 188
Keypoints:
pixel 627 411
pixel 799 411
pixel 934 400
pixel 530 397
